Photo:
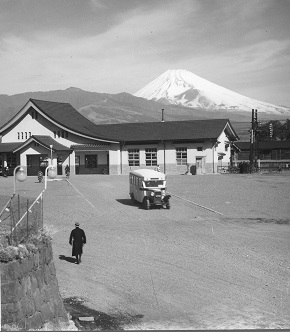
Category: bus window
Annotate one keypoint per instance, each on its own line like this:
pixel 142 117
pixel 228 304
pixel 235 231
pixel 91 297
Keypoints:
pixel 155 183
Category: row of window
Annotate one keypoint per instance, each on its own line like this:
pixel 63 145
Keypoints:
pixel 26 135
pixel 91 161
pixel 151 156
pixel 60 133
pixel 277 154
pixel 23 135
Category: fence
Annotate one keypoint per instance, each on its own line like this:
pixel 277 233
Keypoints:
pixel 20 219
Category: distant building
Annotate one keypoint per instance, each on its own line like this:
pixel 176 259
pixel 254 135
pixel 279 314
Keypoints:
pixel 44 133
pixel 270 154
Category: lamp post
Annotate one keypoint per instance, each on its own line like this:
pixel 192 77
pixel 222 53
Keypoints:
pixel 51 154
pixel 50 172
pixel 20 175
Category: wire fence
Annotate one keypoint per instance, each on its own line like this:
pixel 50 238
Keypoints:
pixel 20 219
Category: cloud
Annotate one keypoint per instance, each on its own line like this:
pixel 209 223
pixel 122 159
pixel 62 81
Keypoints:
pixel 113 46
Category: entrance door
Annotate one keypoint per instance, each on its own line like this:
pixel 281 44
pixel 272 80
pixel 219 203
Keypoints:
pixel 199 165
pixel 59 165
pixel 77 164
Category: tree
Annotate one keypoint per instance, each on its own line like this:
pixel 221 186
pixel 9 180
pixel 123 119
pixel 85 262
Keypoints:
pixel 273 130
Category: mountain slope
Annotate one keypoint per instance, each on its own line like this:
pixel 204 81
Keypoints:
pixel 181 87
pixel 111 108
pixel 104 108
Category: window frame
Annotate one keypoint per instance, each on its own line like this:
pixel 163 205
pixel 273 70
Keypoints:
pixel 134 157
pixel 151 157
pixel 181 156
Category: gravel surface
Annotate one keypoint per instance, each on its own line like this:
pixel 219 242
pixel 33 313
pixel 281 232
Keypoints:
pixel 218 259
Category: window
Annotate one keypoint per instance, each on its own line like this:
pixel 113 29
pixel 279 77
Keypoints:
pixel 18 135
pixel 199 148
pixel 30 134
pixel 181 156
pixel 133 157
pixel 151 156
pixel 22 135
pixel 62 133
pixel 26 135
pixel 66 134
pixel 91 161
pixel 54 134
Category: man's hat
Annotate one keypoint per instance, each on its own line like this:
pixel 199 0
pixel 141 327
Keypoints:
pixel 77 223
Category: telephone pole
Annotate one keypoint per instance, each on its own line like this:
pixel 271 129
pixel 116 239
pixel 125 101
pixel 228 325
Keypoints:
pixel 253 141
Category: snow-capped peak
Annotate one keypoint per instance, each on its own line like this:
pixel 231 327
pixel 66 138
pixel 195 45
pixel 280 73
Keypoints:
pixel 181 87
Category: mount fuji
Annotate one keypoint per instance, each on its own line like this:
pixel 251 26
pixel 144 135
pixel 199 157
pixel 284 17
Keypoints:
pixel 181 87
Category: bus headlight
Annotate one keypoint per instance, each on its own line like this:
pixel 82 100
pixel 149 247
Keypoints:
pixel 152 193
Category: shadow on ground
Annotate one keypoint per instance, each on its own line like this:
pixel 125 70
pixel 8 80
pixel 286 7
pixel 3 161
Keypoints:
pixel 127 201
pixel 68 259
pixel 87 319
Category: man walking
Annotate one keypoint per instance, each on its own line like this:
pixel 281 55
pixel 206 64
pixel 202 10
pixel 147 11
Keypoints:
pixel 77 239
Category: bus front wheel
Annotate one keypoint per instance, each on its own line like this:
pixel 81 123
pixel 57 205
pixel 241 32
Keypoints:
pixel 146 204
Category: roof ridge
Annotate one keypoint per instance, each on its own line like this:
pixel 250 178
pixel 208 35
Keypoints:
pixel 48 101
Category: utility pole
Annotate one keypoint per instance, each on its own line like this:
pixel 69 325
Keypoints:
pixel 252 139
pixel 254 153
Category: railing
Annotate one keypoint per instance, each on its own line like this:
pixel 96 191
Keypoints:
pixel 20 219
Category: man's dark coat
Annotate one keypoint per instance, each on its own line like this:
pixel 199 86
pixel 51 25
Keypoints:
pixel 77 239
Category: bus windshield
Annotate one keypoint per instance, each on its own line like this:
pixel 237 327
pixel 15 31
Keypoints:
pixel 154 183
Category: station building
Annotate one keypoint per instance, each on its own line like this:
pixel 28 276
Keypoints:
pixel 46 133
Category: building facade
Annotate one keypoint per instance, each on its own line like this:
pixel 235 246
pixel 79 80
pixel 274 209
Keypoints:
pixel 46 133
pixel 268 155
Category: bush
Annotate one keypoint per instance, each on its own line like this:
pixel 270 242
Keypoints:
pixel 5 256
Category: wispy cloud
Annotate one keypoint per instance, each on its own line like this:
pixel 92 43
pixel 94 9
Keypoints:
pixel 113 46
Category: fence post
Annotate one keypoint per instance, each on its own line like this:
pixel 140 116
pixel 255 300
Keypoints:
pixel 27 217
pixel 42 210
pixel 18 208
pixel 11 223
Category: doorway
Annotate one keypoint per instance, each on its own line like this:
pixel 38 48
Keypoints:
pixel 200 165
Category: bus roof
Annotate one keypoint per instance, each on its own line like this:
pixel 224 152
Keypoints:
pixel 148 174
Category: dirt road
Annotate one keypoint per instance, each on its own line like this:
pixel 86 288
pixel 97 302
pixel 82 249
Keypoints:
pixel 218 259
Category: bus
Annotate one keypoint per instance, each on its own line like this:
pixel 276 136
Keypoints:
pixel 148 187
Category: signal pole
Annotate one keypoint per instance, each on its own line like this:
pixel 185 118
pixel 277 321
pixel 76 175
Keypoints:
pixel 252 141
pixel 253 145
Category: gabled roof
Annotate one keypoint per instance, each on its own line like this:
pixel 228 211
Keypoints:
pixel 194 130
pixel 68 118
pixel 61 114
pixel 43 140
pixel 265 145
pixel 8 147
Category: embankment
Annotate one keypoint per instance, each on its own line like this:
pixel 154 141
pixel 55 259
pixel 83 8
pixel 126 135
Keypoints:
pixel 30 295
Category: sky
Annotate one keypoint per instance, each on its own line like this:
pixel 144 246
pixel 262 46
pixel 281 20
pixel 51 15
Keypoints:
pixel 115 46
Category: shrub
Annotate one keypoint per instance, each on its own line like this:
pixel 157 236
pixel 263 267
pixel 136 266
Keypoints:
pixel 5 256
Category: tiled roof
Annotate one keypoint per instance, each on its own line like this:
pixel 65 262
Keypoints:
pixel 265 145
pixel 44 140
pixel 64 114
pixel 89 146
pixel 67 117
pixel 162 131
pixel 8 147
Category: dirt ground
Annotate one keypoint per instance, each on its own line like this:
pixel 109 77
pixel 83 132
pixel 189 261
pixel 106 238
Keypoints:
pixel 218 259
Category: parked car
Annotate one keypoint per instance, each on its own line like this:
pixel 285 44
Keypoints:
pixel 148 187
